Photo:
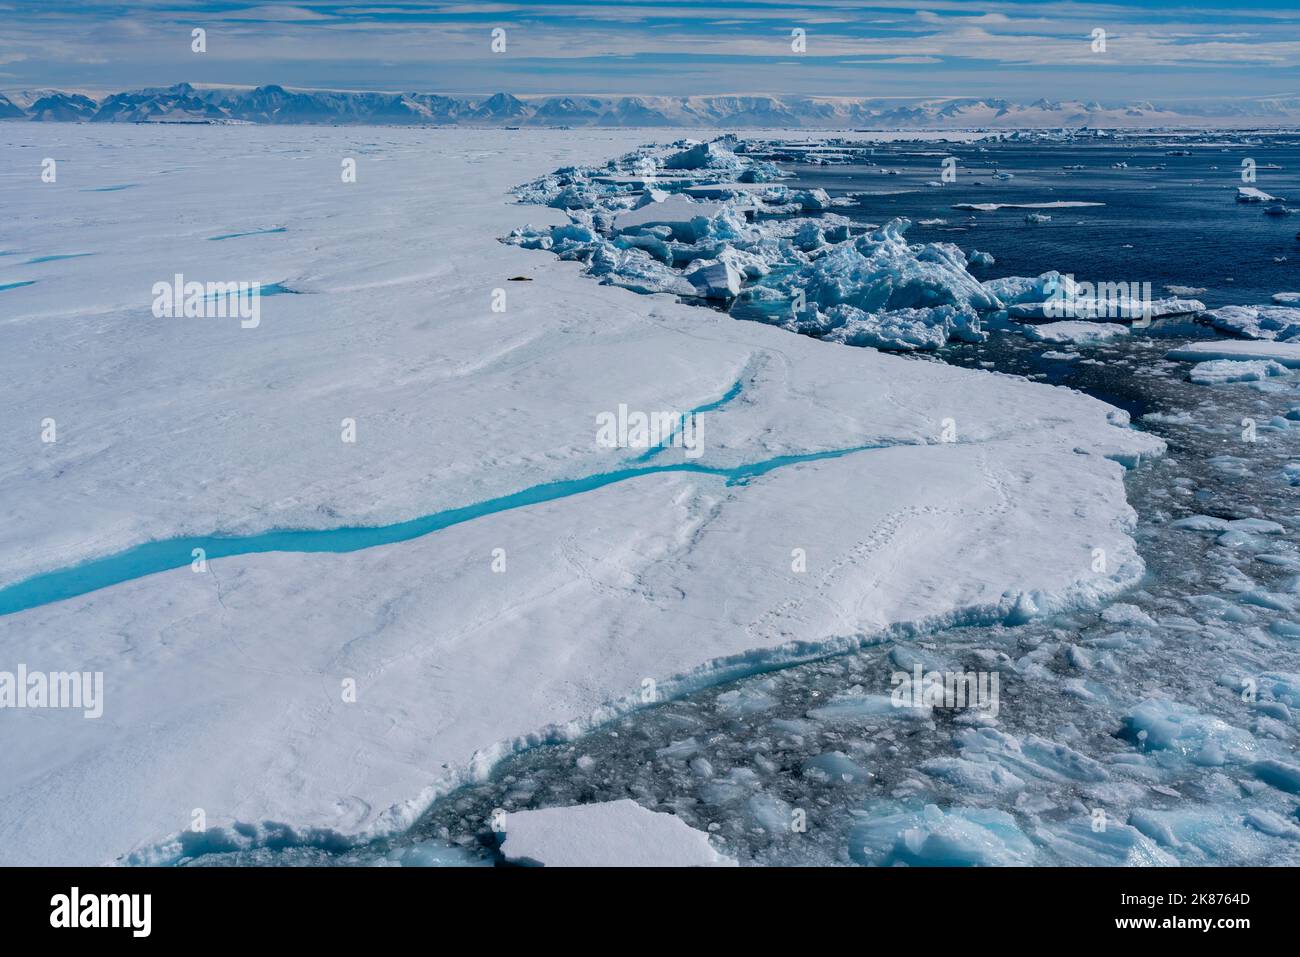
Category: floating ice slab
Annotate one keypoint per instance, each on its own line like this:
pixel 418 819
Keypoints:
pixel 1285 353
pixel 1157 724
pixel 720 280
pixel 612 834
pixel 1281 323
pixel 729 190
pixel 930 837
pixel 678 212
pixel 1251 194
pixel 993 207
pixel 1079 332
pixel 1235 369
pixel 1090 308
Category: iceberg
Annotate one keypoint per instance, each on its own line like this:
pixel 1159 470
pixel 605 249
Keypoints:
pixel 881 270
pixel 1079 844
pixel 811 199
pixel 1017 290
pixel 637 270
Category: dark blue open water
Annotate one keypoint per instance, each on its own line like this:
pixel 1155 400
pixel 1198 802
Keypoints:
pixel 1166 219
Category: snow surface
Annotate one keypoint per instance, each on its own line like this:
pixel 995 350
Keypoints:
pixel 223 687
pixel 611 834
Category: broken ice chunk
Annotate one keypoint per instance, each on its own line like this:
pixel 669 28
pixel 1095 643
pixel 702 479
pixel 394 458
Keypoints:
pixel 611 834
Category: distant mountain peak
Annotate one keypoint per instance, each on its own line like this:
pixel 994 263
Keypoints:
pixel 272 103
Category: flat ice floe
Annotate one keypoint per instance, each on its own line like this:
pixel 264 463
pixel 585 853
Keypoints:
pixel 994 207
pixel 1252 194
pixel 1075 331
pixel 1235 369
pixel 677 212
pixel 1281 323
pixel 1284 353
pixel 612 834
pixel 341 692
pixel 1087 308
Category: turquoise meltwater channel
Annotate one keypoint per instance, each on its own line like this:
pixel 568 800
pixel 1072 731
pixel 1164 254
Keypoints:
pixel 153 557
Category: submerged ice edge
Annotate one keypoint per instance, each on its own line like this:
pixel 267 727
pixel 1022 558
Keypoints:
pixel 239 836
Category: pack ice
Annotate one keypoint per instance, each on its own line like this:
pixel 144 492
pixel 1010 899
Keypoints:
pixel 320 696
pixel 709 220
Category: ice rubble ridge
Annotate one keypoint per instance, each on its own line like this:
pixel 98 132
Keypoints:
pixel 705 220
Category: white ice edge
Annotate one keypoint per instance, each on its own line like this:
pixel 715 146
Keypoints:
pixel 400 817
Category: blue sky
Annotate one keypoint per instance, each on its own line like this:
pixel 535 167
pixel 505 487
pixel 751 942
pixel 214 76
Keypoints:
pixel 890 48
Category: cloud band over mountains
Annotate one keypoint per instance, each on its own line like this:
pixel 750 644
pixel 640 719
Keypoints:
pixel 872 49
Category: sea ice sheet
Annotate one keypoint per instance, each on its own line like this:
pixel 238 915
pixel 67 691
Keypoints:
pixel 974 496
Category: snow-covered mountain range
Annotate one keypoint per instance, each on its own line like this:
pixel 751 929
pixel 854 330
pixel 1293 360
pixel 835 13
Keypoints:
pixel 275 104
